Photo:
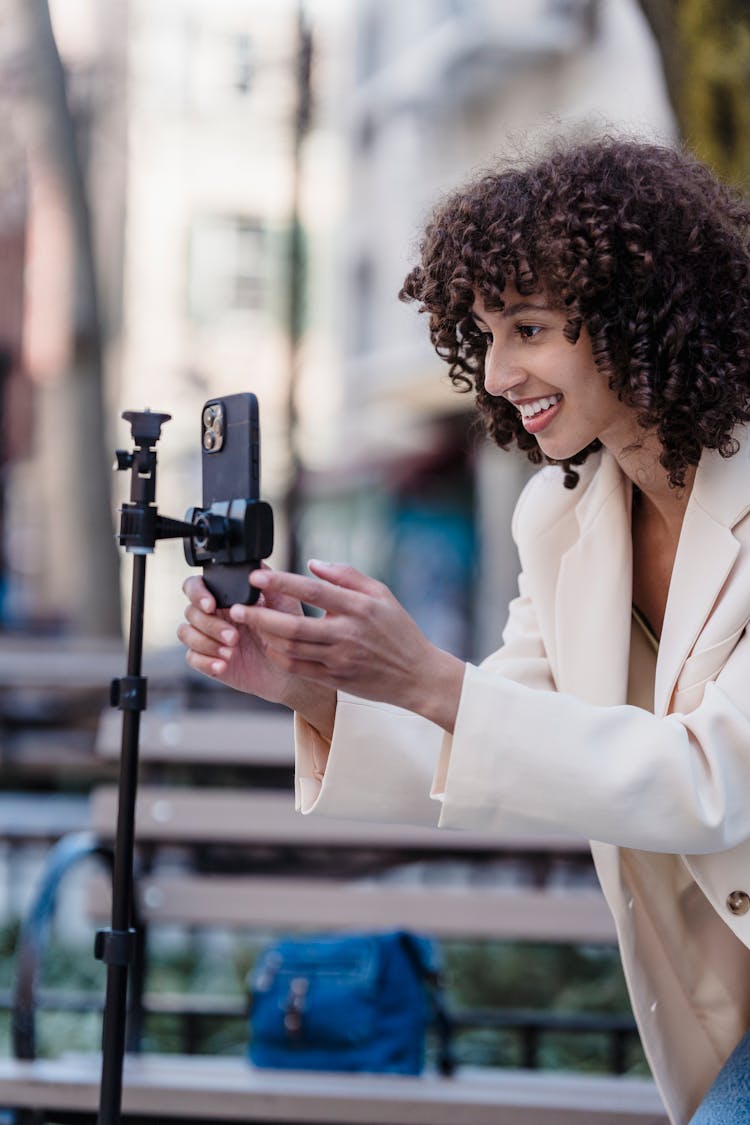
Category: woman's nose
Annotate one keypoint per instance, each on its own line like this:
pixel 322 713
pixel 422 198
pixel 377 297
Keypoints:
pixel 501 375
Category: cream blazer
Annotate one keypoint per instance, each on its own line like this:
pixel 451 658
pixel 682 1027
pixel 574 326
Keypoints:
pixel 544 741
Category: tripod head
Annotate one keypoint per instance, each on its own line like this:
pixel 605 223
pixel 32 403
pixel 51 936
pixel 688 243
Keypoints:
pixel 145 425
pixel 140 523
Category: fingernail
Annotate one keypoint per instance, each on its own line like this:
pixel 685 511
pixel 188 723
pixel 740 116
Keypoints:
pixel 228 636
pixel 217 667
pixel 206 605
pixel 225 653
pixel 259 578
pixel 319 562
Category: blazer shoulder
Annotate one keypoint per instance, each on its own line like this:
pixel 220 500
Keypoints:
pixel 544 499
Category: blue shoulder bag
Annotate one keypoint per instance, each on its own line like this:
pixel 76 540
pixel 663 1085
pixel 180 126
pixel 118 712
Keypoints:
pixel 348 1002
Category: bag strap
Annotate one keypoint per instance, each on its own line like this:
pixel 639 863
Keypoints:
pixel 433 978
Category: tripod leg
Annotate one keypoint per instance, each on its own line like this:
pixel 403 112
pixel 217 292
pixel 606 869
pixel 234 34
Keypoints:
pixel 117 947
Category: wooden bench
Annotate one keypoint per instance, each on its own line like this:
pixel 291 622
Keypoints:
pixel 242 859
pixel 52 692
pixel 189 818
pixel 207 1091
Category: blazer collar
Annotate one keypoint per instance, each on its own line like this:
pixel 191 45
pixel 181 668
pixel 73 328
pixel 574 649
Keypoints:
pixel 706 553
pixel 592 598
pixel 594 586
pixel 722 484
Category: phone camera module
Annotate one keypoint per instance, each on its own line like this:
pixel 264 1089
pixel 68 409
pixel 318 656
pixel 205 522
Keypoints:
pixel 213 428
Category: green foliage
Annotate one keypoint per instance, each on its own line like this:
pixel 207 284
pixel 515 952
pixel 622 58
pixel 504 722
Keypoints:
pixel 528 975
pixel 714 96
pixel 569 979
pixel 705 52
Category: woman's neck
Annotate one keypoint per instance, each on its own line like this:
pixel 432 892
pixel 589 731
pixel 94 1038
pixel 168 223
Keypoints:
pixel 655 496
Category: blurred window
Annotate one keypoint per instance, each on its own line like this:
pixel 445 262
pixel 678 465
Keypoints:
pixel 223 68
pixel 227 266
pixel 370 42
pixel 243 64
pixel 364 314
pixel 366 133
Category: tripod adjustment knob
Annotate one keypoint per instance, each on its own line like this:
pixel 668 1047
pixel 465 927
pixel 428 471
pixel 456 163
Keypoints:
pixel 128 693
pixel 115 947
pixel 123 460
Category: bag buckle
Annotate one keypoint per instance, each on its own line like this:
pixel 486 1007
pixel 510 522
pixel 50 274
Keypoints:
pixel 295 1006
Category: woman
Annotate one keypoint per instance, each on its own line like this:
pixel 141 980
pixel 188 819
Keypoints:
pixel 598 300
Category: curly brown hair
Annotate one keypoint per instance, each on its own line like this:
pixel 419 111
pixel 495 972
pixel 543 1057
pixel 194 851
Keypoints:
pixel 639 243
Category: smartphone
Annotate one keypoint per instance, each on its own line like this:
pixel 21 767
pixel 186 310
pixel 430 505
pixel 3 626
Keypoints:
pixel 230 454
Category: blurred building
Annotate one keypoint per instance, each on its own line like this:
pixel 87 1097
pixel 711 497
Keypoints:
pixel 434 90
pixel 185 119
pixel 210 132
pixel 198 176
pixel 15 400
pixel 45 493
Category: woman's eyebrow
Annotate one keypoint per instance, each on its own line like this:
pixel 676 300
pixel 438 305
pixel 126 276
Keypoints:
pixel 514 310
pixel 524 306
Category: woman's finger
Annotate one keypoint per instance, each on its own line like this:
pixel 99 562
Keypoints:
pixel 347 577
pixel 203 645
pixel 207 665
pixel 312 591
pixel 286 626
pixel 196 591
pixel 218 628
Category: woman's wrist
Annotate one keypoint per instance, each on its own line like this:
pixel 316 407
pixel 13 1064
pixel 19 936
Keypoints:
pixel 313 703
pixel 437 694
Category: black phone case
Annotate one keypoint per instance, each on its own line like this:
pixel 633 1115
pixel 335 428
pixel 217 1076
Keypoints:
pixel 232 472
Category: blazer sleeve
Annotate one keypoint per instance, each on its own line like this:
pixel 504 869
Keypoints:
pixel 378 766
pixel 387 764
pixel 679 783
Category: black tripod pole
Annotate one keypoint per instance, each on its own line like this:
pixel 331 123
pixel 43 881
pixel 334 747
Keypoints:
pixel 140 527
pixel 117 946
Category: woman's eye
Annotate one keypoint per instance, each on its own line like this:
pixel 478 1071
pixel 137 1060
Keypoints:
pixel 528 331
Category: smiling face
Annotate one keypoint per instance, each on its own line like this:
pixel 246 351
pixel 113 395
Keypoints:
pixel 562 397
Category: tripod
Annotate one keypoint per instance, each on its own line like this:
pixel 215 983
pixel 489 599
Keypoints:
pixel 140 528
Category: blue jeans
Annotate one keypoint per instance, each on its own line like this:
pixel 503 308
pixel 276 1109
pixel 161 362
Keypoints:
pixel 728 1100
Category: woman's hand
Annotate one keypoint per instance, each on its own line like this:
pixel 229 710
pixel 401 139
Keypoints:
pixel 235 653
pixel 365 643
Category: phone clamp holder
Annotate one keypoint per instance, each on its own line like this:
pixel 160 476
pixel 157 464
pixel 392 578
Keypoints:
pixel 229 533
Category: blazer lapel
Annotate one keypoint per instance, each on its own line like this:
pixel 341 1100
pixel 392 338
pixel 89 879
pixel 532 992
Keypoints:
pixel 706 552
pixel 593 594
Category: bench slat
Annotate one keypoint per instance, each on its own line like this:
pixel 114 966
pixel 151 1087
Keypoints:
pixel 78 663
pixel 179 1087
pixel 182 815
pixel 41 816
pixel 319 904
pixel 205 738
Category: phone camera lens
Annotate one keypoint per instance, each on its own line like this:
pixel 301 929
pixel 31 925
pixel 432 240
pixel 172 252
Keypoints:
pixel 209 440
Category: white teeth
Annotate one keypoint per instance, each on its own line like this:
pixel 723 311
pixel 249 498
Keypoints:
pixel 529 409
